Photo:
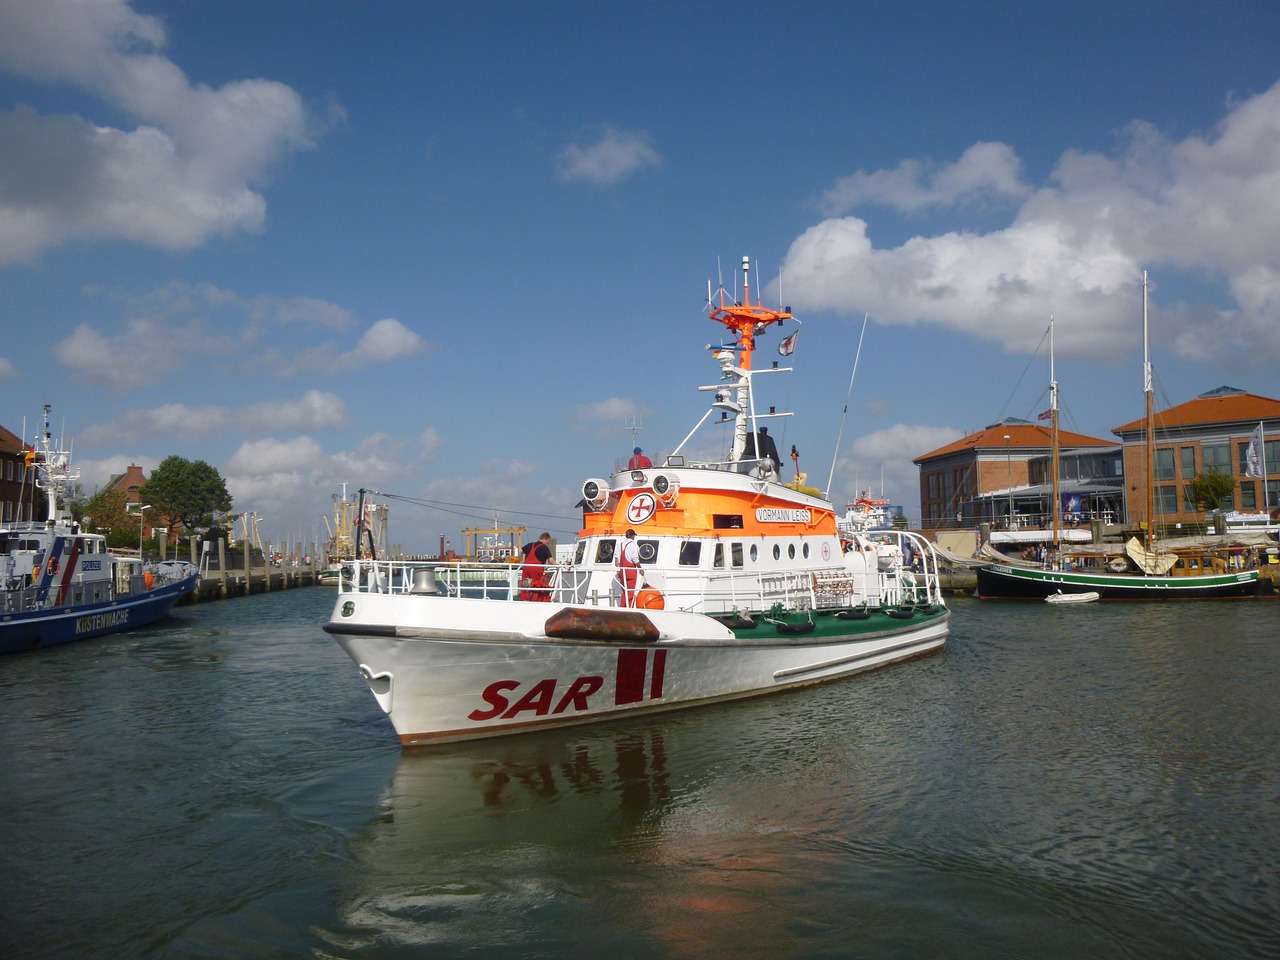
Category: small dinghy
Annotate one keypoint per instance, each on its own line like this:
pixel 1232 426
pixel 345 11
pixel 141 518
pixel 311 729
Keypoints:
pixel 1086 597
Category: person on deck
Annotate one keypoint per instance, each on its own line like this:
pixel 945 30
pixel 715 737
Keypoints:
pixel 533 574
pixel 629 568
pixel 638 460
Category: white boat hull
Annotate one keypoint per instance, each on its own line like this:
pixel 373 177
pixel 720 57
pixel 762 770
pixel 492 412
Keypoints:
pixel 441 677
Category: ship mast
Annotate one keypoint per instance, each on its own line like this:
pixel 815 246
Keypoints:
pixel 744 320
pixel 1149 389
pixel 1054 443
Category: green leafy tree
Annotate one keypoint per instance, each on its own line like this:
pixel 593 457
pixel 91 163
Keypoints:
pixel 186 492
pixel 106 513
pixel 1210 488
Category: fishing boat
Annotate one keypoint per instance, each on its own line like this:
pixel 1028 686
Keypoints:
pixel 744 586
pixel 1193 570
pixel 59 583
pixel 342 543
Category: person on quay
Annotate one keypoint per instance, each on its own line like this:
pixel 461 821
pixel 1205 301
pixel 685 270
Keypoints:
pixel 534 584
pixel 629 568
pixel 638 460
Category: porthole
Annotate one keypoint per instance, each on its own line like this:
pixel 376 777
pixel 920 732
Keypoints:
pixel 755 553
pixel 791 551
pixel 777 552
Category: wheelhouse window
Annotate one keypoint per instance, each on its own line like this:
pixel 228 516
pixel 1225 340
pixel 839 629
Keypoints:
pixel 604 551
pixel 690 553
pixel 726 521
pixel 648 550
pixel 735 555
pixel 718 560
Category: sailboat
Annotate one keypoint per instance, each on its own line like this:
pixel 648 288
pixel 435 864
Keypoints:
pixel 1136 570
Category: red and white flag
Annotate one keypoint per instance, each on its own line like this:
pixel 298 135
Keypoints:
pixel 788 344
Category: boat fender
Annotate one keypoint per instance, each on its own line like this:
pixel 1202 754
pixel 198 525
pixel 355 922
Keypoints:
pixel 793 628
pixel 853 614
pixel 576 623
pixel 648 598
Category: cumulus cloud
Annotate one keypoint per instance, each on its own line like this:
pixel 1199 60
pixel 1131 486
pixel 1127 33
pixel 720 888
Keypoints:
pixel 985 170
pixel 386 340
pixel 7 369
pixel 1208 204
pixel 877 458
pixel 134 357
pixel 315 410
pixel 191 167
pixel 611 156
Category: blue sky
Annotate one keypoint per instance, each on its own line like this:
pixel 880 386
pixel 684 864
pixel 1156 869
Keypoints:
pixel 451 251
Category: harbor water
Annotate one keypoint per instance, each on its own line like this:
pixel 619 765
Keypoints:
pixel 1098 781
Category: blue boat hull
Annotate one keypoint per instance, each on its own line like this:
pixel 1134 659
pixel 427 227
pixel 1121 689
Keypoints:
pixel 46 628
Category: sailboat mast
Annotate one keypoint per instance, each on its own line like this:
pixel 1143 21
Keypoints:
pixel 1053 435
pixel 1149 389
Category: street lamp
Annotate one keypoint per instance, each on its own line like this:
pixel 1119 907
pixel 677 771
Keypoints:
pixel 1008 459
pixel 141 507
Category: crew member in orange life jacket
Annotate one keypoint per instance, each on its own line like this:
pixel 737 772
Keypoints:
pixel 533 574
pixel 638 460
pixel 629 568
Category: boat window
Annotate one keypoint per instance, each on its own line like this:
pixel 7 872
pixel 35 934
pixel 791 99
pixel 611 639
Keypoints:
pixel 718 561
pixel 580 552
pixel 604 551
pixel 1194 563
pixel 805 551
pixel 735 554
pixel 791 551
pixel 777 552
pixel 690 553
pixel 726 521
pixel 755 553
pixel 648 550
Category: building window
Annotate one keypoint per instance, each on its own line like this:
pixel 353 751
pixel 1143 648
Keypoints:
pixel 1166 498
pixel 1217 456
pixel 1248 495
pixel 1164 464
pixel 1188 462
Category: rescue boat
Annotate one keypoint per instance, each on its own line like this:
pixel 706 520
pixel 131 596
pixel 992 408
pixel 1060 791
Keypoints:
pixel 745 585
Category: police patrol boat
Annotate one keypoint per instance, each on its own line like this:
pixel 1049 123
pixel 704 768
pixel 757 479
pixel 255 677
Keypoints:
pixel 745 585
pixel 59 583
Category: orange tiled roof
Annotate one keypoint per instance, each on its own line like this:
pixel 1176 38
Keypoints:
pixel 1021 434
pixel 1212 407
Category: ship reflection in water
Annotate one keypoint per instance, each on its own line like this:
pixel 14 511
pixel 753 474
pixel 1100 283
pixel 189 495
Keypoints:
pixel 628 839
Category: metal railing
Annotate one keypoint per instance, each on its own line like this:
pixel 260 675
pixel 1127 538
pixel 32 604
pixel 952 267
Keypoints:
pixel 884 584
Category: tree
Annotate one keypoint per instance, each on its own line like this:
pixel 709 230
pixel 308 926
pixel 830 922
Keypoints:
pixel 105 511
pixel 1210 488
pixel 186 492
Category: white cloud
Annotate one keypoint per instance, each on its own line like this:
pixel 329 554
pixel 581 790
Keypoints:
pixel 384 341
pixel 984 170
pixel 315 410
pixel 612 156
pixel 191 167
pixel 273 456
pixel 1077 247
pixel 7 369
pixel 882 460
pixel 143 352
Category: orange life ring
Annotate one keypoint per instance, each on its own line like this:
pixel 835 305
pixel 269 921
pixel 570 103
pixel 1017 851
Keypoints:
pixel 53 566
